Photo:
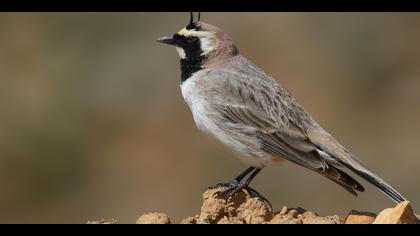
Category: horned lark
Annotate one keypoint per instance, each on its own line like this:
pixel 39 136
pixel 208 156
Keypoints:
pixel 248 111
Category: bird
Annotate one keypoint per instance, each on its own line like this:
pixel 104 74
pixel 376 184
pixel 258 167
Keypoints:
pixel 251 113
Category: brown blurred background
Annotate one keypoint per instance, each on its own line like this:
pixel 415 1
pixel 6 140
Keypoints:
pixel 93 124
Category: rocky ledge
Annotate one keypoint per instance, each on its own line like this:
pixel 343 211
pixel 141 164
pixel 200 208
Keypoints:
pixel 242 209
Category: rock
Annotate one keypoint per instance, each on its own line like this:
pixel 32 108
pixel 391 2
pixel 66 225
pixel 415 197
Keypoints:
pixel 312 218
pixel 189 221
pixel 283 210
pixel 226 220
pixel 286 217
pixel 239 209
pixel 384 217
pixel 213 208
pixel 102 222
pixel 284 220
pixel 301 216
pixel 254 211
pixel 401 214
pixel 243 209
pixel 154 218
pixel 358 217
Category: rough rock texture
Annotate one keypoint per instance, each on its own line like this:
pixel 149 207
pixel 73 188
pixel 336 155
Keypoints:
pixel 358 217
pixel 401 214
pixel 102 222
pixel 239 209
pixel 242 209
pixel 189 221
pixel 154 218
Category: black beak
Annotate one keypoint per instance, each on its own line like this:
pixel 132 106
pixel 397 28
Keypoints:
pixel 167 40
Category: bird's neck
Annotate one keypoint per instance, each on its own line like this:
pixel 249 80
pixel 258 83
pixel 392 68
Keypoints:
pixel 191 65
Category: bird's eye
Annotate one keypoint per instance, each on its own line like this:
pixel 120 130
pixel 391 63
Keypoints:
pixel 191 39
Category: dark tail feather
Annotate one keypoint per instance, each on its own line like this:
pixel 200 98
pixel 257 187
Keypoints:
pixel 380 184
pixel 377 181
pixel 326 143
pixel 343 179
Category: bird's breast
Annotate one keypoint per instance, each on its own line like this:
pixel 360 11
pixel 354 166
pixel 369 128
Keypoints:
pixel 188 90
pixel 194 93
pixel 195 99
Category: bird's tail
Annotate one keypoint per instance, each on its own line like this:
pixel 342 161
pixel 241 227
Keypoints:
pixel 340 155
pixel 374 179
pixel 343 179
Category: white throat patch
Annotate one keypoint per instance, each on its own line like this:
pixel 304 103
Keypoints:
pixel 181 52
pixel 207 45
pixel 207 39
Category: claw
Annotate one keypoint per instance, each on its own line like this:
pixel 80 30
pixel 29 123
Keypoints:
pixel 254 194
pixel 228 186
pixel 234 187
pixel 234 190
pixel 238 184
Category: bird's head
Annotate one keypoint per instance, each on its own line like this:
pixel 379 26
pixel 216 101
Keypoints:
pixel 200 40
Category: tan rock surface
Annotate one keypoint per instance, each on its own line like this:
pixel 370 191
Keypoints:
pixel 243 209
pixel 401 214
pixel 189 221
pixel 154 218
pixel 313 218
pixel 239 209
pixel 358 217
pixel 102 222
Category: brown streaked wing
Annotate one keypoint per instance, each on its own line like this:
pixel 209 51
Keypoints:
pixel 273 141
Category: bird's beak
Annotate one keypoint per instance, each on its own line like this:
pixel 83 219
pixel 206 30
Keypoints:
pixel 168 40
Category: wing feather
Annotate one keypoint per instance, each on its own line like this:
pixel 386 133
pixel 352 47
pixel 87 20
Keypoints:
pixel 283 143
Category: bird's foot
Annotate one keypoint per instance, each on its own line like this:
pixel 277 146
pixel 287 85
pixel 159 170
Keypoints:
pixel 231 188
pixel 224 185
pixel 254 194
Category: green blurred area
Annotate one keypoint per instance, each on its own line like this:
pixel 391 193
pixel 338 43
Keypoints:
pixel 93 124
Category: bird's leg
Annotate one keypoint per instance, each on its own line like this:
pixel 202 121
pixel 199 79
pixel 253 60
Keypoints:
pixel 239 185
pixel 236 181
pixel 243 174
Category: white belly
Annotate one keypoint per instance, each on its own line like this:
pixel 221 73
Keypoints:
pixel 196 101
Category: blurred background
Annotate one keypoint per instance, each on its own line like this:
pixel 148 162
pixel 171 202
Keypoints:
pixel 93 124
